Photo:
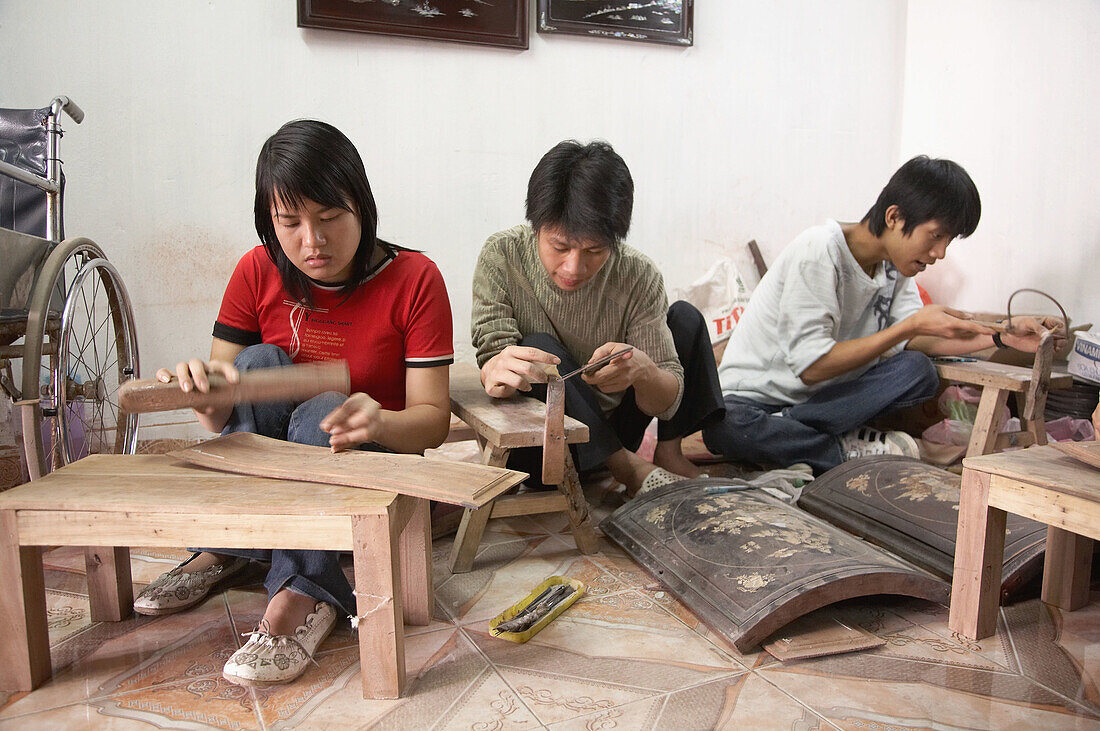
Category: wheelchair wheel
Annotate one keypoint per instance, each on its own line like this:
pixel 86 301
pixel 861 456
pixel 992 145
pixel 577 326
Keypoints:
pixel 91 351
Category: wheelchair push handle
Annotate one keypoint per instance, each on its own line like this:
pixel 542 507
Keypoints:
pixel 67 105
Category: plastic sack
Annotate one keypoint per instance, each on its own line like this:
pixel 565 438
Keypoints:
pixel 721 295
pixel 960 403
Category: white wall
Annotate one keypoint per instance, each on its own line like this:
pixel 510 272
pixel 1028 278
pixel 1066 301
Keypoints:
pixel 780 115
pixel 1011 90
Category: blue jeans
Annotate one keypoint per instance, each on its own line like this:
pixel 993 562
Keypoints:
pixel 810 431
pixel 315 574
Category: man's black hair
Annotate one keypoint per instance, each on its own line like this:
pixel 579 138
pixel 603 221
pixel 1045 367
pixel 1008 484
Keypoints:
pixel 314 160
pixel 586 190
pixel 926 189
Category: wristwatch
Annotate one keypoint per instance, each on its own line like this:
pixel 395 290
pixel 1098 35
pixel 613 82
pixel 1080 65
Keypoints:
pixel 997 341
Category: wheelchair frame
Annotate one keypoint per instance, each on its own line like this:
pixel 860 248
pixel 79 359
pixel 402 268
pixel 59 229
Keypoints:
pixel 53 330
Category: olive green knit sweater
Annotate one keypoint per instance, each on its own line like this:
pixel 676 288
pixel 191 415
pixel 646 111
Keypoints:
pixel 625 303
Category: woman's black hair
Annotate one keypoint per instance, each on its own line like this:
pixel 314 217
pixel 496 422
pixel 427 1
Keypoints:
pixel 586 190
pixel 314 160
pixel 926 189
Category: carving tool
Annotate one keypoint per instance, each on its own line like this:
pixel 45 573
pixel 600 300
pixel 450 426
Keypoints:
pixel 289 383
pixel 593 367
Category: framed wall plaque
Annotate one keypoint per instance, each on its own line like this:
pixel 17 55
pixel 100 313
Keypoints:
pixel 482 22
pixel 655 21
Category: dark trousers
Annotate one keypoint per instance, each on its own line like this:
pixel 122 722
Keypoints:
pixel 315 574
pixel 624 427
pixel 810 431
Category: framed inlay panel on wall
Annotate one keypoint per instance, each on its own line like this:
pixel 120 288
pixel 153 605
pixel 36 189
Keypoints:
pixel 483 22
pixel 655 21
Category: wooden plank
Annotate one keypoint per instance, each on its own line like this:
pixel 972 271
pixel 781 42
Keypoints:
pixel 1058 509
pixel 1044 466
pixel 458 483
pixel 288 383
pixel 979 556
pixel 378 604
pixel 577 509
pixel 998 375
pixel 757 258
pixel 553 434
pixel 122 482
pixel 984 435
pixel 110 589
pixel 417 597
pixel 1067 569
pixel 1035 403
pixel 1087 452
pixel 509 423
pixel 472 527
pixel 529 504
pixel 25 648
pixel 145 528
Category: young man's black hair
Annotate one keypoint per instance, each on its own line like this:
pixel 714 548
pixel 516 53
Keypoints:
pixel 927 189
pixel 586 190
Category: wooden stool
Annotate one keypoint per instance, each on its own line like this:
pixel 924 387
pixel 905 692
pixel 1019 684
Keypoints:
pixel 118 501
pixel 501 425
pixel 997 381
pixel 1040 483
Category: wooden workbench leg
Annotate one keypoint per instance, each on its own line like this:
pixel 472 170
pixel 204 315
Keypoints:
pixel 472 527
pixel 984 436
pixel 577 510
pixel 1067 569
pixel 378 603
pixel 110 588
pixel 25 642
pixel 416 566
pixel 979 557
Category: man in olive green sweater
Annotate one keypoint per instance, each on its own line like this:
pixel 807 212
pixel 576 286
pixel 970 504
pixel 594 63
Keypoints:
pixel 565 290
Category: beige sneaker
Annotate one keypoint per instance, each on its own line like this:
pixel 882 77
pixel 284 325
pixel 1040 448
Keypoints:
pixel 268 659
pixel 866 441
pixel 176 590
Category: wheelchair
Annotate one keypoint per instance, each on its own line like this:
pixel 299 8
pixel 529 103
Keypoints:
pixel 67 334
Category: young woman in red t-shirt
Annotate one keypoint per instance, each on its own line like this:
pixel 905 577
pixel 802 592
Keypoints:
pixel 322 286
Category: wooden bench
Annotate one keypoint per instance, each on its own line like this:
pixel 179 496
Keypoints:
pixel 999 380
pixel 111 502
pixel 501 425
pixel 1040 483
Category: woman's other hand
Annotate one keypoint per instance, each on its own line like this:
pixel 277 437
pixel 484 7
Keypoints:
pixel 358 420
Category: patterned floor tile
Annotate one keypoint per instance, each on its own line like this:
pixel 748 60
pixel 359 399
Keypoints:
pixel 745 701
pixel 143 649
pixel 1071 669
pixel 634 716
pixel 67 613
pixel 863 690
pixel 555 698
pixel 622 638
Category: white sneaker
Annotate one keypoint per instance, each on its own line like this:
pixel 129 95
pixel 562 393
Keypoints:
pixel 866 441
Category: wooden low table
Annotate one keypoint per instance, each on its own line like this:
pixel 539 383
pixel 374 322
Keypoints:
pixel 119 501
pixel 1040 483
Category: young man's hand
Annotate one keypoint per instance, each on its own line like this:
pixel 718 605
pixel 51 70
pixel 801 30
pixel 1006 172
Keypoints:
pixel 944 322
pixel 1027 331
pixel 514 369
pixel 622 372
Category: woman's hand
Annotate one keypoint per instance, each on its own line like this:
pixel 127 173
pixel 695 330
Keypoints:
pixel 193 375
pixel 514 369
pixel 358 420
pixel 622 372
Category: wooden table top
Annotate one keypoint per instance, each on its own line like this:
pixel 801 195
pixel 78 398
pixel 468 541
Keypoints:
pixel 997 375
pixel 162 484
pixel 510 422
pixel 1044 467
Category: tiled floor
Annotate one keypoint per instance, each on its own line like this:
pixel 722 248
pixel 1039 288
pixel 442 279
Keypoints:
pixel 626 656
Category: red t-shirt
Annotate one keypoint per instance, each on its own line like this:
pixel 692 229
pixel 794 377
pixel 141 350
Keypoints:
pixel 399 318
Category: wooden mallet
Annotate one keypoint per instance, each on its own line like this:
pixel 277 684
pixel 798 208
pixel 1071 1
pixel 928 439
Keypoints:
pixel 289 383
